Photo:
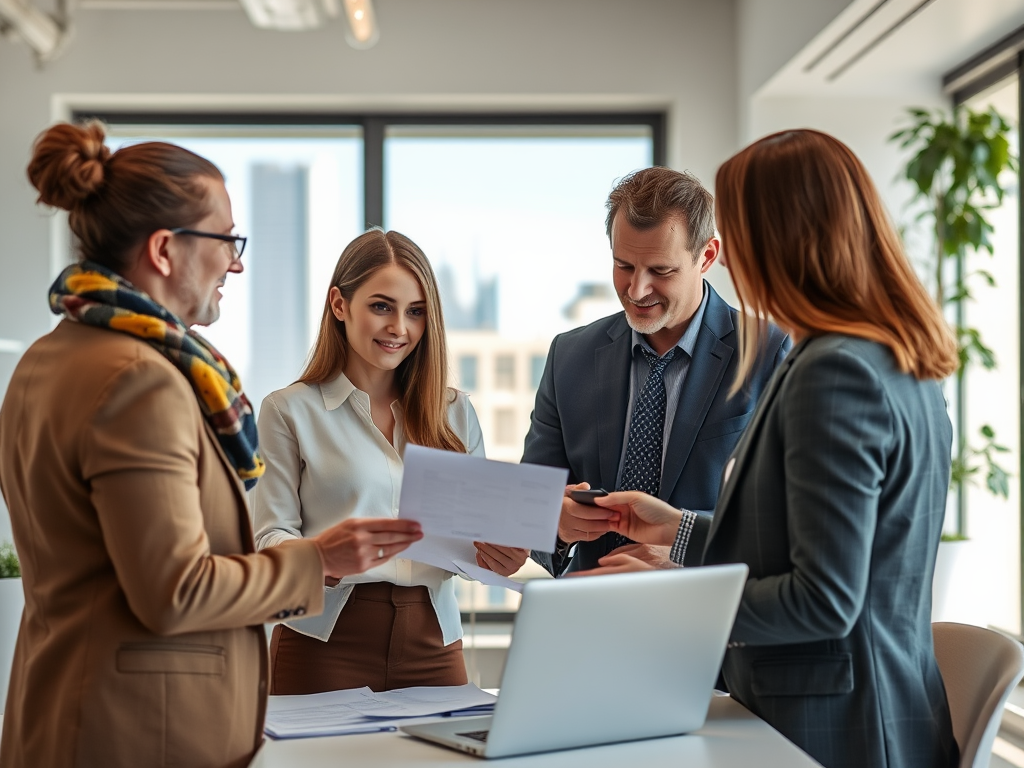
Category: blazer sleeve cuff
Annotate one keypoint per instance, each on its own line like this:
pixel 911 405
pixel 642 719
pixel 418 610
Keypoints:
pixel 677 554
pixel 302 567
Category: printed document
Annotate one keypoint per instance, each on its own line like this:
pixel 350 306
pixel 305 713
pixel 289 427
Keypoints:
pixel 459 499
pixel 360 710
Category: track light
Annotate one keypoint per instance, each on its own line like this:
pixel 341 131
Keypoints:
pixel 285 15
pixel 43 34
pixel 362 23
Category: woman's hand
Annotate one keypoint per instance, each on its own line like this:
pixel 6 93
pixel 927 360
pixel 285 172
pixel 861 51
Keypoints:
pixel 358 544
pixel 615 564
pixel 642 517
pixel 631 558
pixel 502 560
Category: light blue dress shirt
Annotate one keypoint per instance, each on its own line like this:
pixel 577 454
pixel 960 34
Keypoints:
pixel 675 375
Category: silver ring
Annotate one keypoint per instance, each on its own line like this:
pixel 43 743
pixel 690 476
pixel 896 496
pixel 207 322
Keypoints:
pixel 380 553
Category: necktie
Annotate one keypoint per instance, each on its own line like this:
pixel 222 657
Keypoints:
pixel 641 470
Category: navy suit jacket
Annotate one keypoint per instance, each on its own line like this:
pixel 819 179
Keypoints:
pixel 579 420
pixel 835 501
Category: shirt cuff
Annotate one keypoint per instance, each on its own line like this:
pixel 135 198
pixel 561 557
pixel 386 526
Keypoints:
pixel 678 551
pixel 563 549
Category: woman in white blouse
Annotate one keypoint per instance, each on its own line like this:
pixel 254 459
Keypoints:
pixel 333 444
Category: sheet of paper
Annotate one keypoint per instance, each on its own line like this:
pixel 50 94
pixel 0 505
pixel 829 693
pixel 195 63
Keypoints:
pixel 484 576
pixel 440 551
pixel 360 710
pixel 431 700
pixel 458 496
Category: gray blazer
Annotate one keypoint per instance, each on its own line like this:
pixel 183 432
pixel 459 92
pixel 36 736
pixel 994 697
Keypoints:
pixel 836 501
pixel 579 421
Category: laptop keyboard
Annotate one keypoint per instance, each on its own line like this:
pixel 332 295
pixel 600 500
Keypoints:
pixel 478 735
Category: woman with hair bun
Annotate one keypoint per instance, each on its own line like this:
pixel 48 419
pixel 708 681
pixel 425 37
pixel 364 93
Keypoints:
pixel 126 447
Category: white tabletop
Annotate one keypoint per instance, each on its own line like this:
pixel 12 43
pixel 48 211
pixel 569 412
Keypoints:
pixel 732 736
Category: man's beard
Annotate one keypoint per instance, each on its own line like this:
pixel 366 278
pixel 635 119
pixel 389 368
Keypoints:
pixel 645 326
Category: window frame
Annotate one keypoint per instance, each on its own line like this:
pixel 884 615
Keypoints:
pixel 374 127
pixel 1002 60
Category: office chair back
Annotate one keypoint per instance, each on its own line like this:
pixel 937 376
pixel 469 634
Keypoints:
pixel 979 668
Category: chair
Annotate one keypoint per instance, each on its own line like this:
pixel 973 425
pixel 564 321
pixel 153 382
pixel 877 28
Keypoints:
pixel 979 668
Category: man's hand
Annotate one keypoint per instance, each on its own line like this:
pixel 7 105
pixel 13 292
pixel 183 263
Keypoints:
pixel 582 522
pixel 641 517
pixel 502 560
pixel 358 544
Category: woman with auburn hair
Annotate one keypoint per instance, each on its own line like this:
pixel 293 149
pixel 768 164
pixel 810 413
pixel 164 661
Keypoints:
pixel 376 380
pixel 836 493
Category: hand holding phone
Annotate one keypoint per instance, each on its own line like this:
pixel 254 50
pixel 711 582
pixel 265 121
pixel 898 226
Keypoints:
pixel 587 497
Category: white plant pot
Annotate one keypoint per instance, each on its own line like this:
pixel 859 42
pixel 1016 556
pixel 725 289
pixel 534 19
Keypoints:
pixel 12 603
pixel 944 593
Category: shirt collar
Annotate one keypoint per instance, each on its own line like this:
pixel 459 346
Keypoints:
pixel 337 391
pixel 688 341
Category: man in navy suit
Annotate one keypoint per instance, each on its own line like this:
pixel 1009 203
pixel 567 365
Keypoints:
pixel 640 400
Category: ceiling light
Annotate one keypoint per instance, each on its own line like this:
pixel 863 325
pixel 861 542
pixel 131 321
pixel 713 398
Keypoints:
pixel 285 15
pixel 362 24
pixel 40 31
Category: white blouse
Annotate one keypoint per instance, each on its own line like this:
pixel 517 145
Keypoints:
pixel 326 462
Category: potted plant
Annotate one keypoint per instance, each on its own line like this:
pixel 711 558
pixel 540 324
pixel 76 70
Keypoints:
pixel 12 602
pixel 957 171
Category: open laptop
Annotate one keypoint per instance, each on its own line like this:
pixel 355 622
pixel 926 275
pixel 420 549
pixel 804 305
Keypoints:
pixel 602 659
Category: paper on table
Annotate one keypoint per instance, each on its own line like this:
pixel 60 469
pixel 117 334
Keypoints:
pixel 319 714
pixel 461 497
pixel 360 710
pixel 431 700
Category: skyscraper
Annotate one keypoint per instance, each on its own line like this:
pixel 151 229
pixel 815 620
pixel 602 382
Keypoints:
pixel 279 266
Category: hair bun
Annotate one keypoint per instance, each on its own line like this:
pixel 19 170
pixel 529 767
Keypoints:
pixel 68 163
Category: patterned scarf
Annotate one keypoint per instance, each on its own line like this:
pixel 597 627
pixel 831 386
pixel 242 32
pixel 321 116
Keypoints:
pixel 90 293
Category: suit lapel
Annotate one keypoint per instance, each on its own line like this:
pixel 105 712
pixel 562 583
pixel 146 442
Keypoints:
pixel 245 524
pixel 710 359
pixel 707 368
pixel 739 455
pixel 612 366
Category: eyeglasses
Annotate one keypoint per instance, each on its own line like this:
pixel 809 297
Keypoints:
pixel 236 240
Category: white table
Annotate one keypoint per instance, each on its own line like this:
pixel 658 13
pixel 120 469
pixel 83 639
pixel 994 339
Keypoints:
pixel 732 736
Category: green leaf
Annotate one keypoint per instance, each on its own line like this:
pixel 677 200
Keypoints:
pixel 998 482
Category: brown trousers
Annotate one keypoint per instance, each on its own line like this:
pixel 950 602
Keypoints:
pixel 386 637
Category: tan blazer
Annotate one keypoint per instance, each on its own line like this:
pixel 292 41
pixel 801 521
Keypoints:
pixel 142 641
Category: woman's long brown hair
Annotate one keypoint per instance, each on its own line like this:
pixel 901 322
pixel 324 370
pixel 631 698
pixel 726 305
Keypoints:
pixel 808 242
pixel 422 377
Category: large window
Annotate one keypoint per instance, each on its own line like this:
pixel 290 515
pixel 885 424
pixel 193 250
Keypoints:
pixel 509 209
pixel 994 397
pixel 987 583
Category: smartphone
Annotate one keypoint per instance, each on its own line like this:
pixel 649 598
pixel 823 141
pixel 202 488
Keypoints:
pixel 587 497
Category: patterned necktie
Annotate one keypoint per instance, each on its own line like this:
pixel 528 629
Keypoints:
pixel 641 470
